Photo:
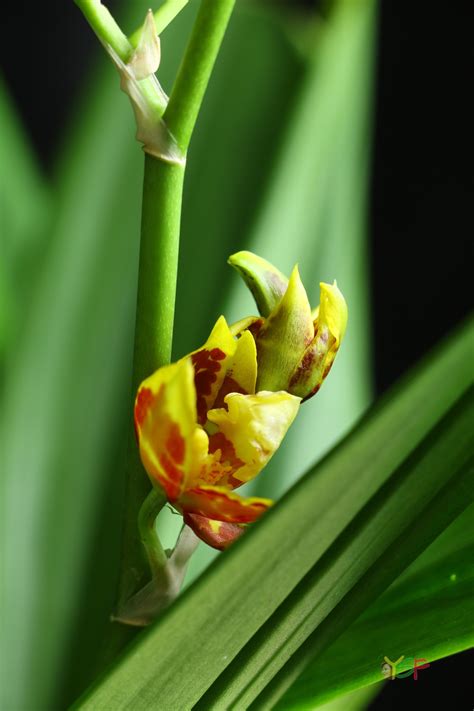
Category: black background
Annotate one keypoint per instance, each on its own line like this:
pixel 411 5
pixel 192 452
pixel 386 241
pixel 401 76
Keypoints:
pixel 420 208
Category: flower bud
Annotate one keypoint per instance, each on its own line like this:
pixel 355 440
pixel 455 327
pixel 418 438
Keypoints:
pixel 295 346
pixel 265 281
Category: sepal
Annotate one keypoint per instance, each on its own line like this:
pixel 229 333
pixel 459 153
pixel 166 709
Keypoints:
pixel 284 337
pixel 329 328
pixel 265 281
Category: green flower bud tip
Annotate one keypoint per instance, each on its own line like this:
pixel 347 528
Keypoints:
pixel 284 337
pixel 265 281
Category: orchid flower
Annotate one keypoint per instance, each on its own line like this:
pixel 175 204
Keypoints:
pixel 210 422
pixel 203 431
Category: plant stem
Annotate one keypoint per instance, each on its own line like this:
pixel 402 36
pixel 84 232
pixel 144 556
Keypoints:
pixel 105 27
pixel 159 248
pixel 163 16
pixel 161 212
pixel 151 507
pixel 159 245
pixel 190 86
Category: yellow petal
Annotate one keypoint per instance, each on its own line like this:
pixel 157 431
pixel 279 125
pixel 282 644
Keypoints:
pixel 165 421
pixel 211 363
pixel 330 326
pixel 241 372
pixel 220 504
pixel 332 311
pixel 250 430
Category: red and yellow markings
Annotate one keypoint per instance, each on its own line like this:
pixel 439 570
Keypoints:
pixel 220 504
pixel 175 444
pixel 217 534
pixel 143 403
pixel 220 441
pixel 206 366
pixel 228 386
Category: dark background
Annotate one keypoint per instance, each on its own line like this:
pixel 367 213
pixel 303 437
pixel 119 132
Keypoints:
pixel 421 197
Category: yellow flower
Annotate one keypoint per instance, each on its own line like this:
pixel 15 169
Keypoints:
pixel 203 431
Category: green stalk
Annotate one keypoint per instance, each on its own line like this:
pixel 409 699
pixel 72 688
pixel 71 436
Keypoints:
pixel 151 507
pixel 159 246
pixel 105 27
pixel 195 71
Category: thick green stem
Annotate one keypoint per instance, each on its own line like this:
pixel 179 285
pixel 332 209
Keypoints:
pixel 161 211
pixel 193 76
pixel 161 214
pixel 159 248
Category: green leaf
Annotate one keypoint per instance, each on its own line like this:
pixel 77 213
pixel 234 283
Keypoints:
pixel 25 210
pixel 316 561
pixel 355 701
pixel 427 613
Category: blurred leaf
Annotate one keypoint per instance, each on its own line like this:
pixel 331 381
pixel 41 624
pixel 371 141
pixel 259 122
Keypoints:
pixel 316 560
pixel 355 701
pixel 25 209
pixel 427 613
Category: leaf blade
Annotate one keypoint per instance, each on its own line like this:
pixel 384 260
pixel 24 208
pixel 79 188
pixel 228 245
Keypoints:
pixel 425 613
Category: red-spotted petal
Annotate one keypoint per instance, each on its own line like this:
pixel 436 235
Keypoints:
pixel 217 534
pixel 241 372
pixel 211 363
pixel 165 421
pixel 220 504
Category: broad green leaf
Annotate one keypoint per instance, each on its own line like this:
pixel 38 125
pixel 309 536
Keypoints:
pixel 355 701
pixel 317 560
pixel 427 613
